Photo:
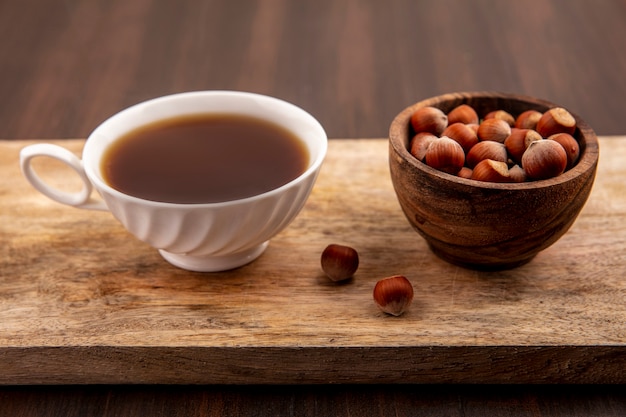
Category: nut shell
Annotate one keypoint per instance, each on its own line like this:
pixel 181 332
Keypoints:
pixel 463 114
pixel 446 155
pixel 463 134
pixel 556 120
pixel 429 119
pixel 517 174
pixel 394 294
pixel 339 262
pixel 491 171
pixel 528 119
pixel 518 141
pixel 494 129
pixel 570 144
pixel 501 115
pixel 465 172
pixel 486 150
pixel 419 144
pixel 544 159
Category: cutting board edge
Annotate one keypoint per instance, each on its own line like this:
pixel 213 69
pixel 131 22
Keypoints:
pixel 583 364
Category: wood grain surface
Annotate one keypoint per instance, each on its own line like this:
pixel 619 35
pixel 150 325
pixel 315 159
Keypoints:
pixel 82 301
pixel 309 401
pixel 354 64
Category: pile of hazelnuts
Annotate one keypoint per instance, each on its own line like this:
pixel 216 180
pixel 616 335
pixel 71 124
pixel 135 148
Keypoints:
pixel 500 147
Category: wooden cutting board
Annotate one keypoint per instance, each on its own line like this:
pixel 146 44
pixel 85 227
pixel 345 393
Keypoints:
pixel 82 301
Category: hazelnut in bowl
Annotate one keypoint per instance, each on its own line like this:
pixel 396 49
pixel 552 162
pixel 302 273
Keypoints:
pixel 490 194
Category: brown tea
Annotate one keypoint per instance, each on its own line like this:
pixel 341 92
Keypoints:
pixel 204 158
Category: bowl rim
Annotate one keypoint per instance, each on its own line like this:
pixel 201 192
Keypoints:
pixel 399 138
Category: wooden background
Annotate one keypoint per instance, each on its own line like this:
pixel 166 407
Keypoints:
pixel 67 65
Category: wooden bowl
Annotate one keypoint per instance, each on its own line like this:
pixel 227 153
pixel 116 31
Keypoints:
pixel 484 225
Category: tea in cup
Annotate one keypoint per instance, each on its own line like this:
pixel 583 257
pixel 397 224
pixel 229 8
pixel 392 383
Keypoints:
pixel 207 177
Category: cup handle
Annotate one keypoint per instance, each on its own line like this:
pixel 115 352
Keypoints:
pixel 80 199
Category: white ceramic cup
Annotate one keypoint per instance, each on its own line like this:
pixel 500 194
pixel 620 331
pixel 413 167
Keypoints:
pixel 197 237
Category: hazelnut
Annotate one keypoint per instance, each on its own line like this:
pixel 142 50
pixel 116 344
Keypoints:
pixel 572 149
pixel 474 127
pixel 339 262
pixel 463 114
pixel 419 144
pixel 491 171
pixel 429 119
pixel 518 141
pixel 465 172
pixel 501 115
pixel 544 159
pixel 446 155
pixel 486 150
pixel 556 120
pixel 528 119
pixel 517 174
pixel 463 134
pixel 494 129
pixel 393 295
